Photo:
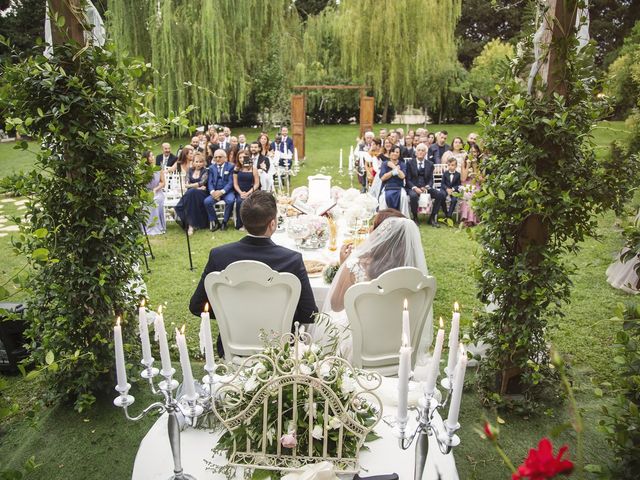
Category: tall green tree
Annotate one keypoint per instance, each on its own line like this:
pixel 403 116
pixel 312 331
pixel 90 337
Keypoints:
pixel 22 24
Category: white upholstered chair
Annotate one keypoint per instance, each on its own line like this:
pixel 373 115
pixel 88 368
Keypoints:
pixel 374 310
pixel 249 296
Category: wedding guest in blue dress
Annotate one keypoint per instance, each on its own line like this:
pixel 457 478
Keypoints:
pixel 190 211
pixel 245 182
pixel 156 224
pixel 392 175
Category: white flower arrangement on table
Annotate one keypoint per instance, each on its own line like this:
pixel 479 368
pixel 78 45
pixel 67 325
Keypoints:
pixel 296 404
pixel 309 231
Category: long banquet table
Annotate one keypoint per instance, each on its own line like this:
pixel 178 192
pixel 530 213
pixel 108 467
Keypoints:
pixel 154 461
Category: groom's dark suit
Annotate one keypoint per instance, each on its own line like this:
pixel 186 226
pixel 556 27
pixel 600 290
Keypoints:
pixel 262 250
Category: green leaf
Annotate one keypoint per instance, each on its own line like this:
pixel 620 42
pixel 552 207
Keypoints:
pixel 40 254
pixel 501 194
pixel 40 233
pixel 598 392
pixel 32 374
pixel 49 357
pixel 593 468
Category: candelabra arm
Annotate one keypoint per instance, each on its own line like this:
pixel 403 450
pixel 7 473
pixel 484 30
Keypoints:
pixel 158 406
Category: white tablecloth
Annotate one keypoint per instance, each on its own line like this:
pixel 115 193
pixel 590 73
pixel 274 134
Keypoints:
pixel 319 287
pixel 154 460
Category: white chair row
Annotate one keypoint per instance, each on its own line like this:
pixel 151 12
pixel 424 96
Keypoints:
pixel 374 310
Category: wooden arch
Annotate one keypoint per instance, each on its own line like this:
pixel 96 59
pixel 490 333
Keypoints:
pixel 299 113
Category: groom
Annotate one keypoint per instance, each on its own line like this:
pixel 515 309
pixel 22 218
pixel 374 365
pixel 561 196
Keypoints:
pixel 259 216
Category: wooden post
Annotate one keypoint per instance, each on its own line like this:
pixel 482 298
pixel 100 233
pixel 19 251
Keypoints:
pixel 73 14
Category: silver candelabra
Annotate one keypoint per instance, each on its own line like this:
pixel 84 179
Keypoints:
pixel 446 437
pixel 177 407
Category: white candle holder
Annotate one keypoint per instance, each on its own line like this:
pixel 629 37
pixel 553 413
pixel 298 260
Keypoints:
pixel 174 406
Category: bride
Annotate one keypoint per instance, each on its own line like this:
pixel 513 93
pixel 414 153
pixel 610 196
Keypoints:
pixel 394 243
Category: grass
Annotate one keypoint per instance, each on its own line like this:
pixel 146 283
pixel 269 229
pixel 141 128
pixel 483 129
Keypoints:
pixel 101 443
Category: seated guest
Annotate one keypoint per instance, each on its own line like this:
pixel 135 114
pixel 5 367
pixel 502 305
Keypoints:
pixel 245 182
pixel 233 142
pixel 259 216
pixel 420 181
pixel 262 164
pixel 371 161
pixel 183 163
pixel 431 139
pixel 472 139
pixel 367 141
pixel 471 178
pixel 451 183
pixel 392 176
pixel 166 158
pixel 457 151
pixel 190 211
pixel 195 143
pixel 265 145
pixel 156 223
pixel 232 155
pixel 409 147
pixel 223 141
pixel 242 142
pixel 220 187
pixel 436 151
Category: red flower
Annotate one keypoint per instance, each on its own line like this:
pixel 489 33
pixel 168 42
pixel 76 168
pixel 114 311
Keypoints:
pixel 488 431
pixel 541 464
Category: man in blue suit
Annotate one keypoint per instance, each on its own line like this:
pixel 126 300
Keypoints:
pixel 220 188
pixel 286 142
pixel 259 216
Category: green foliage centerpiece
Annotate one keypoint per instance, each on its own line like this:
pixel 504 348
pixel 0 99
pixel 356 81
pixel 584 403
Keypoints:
pixel 296 404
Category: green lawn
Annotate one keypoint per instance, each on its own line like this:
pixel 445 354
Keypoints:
pixel 102 444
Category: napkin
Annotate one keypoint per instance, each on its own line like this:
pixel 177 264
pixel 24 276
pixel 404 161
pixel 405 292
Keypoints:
pixel 318 471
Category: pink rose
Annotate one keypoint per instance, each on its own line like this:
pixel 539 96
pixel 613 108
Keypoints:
pixel 288 440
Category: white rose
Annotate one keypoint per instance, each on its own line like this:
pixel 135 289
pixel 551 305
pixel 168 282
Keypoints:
pixel 334 423
pixel 317 432
pixel 302 349
pixel 324 370
pixel 315 348
pixel 305 369
pixel 251 384
pixel 348 384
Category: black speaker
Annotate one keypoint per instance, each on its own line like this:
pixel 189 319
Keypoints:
pixel 12 338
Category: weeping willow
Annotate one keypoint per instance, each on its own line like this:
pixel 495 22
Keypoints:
pixel 405 50
pixel 205 52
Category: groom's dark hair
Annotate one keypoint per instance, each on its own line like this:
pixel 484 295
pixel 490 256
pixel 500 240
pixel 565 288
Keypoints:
pixel 257 211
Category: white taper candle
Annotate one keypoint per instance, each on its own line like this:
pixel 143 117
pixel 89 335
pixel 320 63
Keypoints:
pixel 165 356
pixel 185 363
pixel 453 340
pixel 121 371
pixel 434 366
pixel 458 384
pixel 144 335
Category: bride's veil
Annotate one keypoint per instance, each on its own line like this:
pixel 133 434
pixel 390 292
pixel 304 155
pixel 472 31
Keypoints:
pixel 395 243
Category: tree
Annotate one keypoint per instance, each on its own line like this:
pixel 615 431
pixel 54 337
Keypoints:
pixel 482 22
pixel 624 75
pixel 22 25
pixel 488 68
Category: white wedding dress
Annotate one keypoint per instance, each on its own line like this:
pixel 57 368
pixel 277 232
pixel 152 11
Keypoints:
pixel 395 243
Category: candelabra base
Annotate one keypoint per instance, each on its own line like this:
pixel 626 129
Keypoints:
pixel 183 476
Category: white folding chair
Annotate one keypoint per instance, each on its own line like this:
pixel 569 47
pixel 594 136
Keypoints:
pixel 438 170
pixel 172 192
pixel 374 310
pixel 249 296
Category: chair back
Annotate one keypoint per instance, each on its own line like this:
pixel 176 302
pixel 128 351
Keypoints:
pixel 438 171
pixel 319 188
pixel 249 296
pixel 374 310
pixel 172 190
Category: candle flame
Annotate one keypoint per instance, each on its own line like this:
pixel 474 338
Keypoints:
pixel 142 303
pixel 160 309
pixel 118 321
pixel 406 304
pixel 456 307
pixel 441 323
pixel 183 328
pixel 206 307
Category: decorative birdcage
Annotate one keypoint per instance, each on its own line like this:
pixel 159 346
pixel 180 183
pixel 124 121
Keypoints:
pixel 294 405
